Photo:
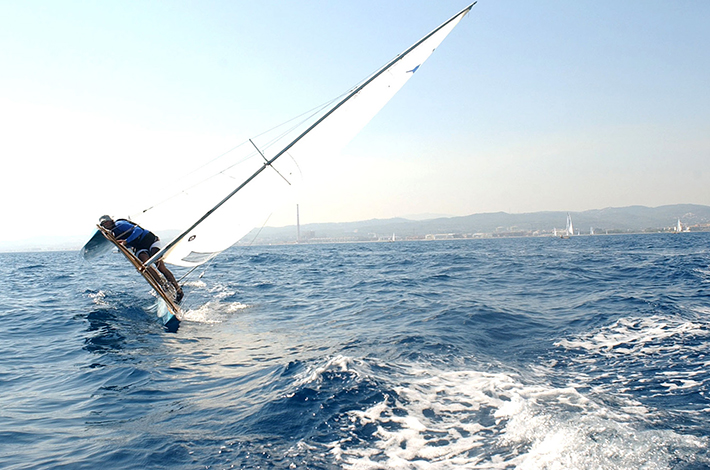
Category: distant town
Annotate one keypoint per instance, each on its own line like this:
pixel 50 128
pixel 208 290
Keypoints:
pixel 682 218
pixel 311 236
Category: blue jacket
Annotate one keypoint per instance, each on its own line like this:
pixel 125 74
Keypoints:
pixel 125 230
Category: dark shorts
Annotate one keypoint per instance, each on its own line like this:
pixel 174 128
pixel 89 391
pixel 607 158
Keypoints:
pixel 148 241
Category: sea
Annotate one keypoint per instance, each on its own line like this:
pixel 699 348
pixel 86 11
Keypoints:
pixel 512 353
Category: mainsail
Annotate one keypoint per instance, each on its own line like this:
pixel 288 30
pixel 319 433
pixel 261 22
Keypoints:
pixel 570 227
pixel 260 175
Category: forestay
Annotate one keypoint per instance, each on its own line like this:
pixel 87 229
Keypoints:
pixel 240 189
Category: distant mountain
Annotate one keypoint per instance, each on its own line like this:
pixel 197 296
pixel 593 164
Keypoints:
pixel 425 216
pixel 611 220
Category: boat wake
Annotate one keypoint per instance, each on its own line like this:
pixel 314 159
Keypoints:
pixel 213 311
pixel 431 418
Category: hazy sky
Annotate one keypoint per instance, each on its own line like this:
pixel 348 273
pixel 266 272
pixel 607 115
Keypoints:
pixel 526 106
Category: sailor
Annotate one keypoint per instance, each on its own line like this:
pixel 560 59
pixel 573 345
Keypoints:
pixel 144 244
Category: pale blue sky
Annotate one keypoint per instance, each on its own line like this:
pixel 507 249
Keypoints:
pixel 526 106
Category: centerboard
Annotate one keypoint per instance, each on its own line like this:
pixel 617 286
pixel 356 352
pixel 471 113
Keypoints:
pixel 171 320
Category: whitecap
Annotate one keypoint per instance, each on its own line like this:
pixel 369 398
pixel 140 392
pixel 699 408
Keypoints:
pixel 99 298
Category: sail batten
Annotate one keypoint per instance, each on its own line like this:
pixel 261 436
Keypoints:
pixel 228 219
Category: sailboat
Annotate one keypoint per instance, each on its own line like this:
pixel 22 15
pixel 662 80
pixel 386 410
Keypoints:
pixel 570 228
pixel 679 227
pixel 222 201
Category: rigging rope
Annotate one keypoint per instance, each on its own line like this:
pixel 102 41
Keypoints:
pixel 310 114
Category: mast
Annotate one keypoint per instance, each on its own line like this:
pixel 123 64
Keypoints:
pixel 268 163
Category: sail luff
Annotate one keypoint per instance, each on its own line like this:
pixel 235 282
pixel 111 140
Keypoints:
pixel 164 251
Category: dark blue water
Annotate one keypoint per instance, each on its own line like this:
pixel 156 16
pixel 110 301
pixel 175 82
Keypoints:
pixel 586 353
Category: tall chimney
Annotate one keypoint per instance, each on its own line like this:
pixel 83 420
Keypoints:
pixel 298 226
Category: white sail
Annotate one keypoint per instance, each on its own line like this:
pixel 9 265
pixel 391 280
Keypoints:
pixel 570 227
pixel 243 187
pixel 679 227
